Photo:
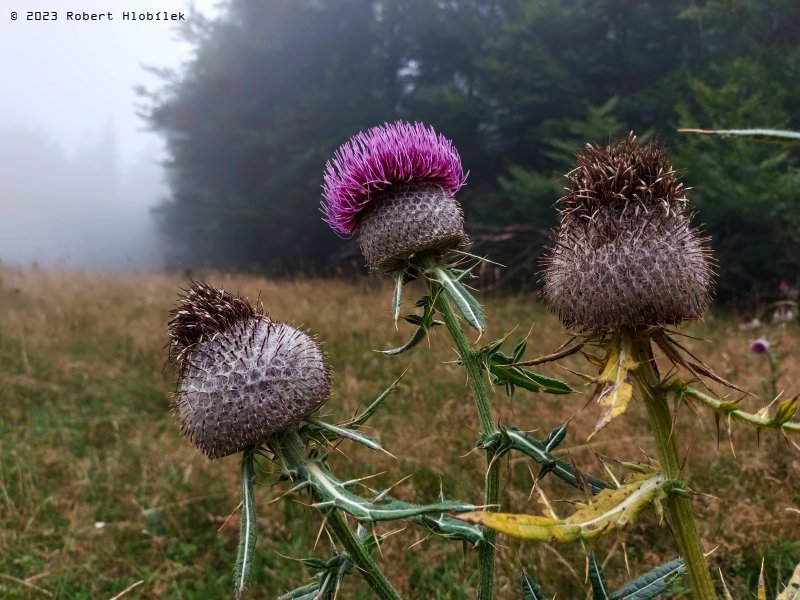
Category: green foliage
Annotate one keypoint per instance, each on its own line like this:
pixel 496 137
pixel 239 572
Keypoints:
pixel 745 192
pixel 518 85
pixel 646 587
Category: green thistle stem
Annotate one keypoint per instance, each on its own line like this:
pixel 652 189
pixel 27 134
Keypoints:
pixel 291 451
pixel 773 374
pixel 477 380
pixel 679 507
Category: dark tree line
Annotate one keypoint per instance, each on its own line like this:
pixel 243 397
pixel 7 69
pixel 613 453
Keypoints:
pixel 275 87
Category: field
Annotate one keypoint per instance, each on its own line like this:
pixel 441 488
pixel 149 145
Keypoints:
pixel 98 490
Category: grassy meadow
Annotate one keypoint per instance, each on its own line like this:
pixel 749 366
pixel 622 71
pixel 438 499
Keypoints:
pixel 98 490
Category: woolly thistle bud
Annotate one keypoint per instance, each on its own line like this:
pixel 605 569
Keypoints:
pixel 625 254
pixel 394 185
pixel 243 376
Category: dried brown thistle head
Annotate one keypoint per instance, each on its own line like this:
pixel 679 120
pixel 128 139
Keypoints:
pixel 625 254
pixel 243 376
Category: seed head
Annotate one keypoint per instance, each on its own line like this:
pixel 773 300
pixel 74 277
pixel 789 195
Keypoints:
pixel 242 376
pixel 394 185
pixel 625 254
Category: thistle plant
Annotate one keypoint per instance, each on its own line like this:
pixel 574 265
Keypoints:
pixel 626 264
pixel 393 185
pixel 249 384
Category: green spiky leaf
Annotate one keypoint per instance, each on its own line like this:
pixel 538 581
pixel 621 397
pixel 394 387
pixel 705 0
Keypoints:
pixel 362 418
pixel 397 296
pixel 511 438
pixel 785 412
pixel 530 589
pixel 651 584
pixel 503 371
pixel 598 580
pixel 337 432
pixel 463 300
pixel 452 529
pixel 247 529
pixel 424 323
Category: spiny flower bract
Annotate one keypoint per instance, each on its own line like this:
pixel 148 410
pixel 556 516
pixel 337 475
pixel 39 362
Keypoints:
pixel 243 376
pixel 625 254
pixel 388 155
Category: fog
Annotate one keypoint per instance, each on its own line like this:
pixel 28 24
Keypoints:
pixel 79 174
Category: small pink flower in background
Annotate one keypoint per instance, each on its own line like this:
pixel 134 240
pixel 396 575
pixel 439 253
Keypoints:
pixel 784 288
pixel 759 346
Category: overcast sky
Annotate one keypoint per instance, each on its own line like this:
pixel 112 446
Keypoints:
pixel 70 77
pixel 71 84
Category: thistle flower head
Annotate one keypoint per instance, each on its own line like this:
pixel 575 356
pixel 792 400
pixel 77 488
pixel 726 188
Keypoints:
pixel 242 376
pixel 394 185
pixel 625 254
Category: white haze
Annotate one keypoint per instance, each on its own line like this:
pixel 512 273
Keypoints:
pixel 78 173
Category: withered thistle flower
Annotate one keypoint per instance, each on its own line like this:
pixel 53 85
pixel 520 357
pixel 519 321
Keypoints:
pixel 243 376
pixel 625 254
pixel 394 186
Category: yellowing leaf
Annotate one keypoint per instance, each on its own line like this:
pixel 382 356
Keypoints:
pixel 609 510
pixel 792 591
pixel 615 384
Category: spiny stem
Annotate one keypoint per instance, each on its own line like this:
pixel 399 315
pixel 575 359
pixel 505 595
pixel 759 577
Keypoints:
pixel 680 508
pixel 291 451
pixel 718 406
pixel 477 380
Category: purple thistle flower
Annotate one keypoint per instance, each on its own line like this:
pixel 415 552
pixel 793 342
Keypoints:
pixel 759 346
pixel 384 156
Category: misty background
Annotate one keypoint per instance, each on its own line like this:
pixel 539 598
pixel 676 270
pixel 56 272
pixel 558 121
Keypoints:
pixel 213 157
pixel 79 171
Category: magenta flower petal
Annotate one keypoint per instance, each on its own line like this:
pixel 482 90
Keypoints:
pixel 759 346
pixel 390 154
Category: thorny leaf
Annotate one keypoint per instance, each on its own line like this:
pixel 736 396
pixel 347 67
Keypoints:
pixel 598 580
pixel 424 323
pixel 651 584
pixel 331 572
pixel 785 412
pixel 530 589
pixel 504 372
pixel 397 296
pixel 452 529
pixel 469 308
pixel 615 384
pixel 609 510
pixel 511 438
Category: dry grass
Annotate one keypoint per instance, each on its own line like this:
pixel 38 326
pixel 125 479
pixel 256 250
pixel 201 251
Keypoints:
pixel 98 491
